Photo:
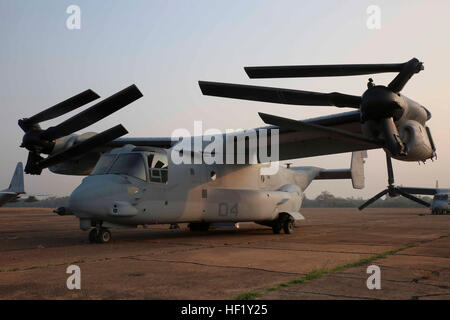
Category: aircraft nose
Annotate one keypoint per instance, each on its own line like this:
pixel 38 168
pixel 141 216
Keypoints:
pixel 95 196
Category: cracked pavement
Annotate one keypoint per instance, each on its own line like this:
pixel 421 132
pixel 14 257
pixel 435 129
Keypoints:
pixel 36 246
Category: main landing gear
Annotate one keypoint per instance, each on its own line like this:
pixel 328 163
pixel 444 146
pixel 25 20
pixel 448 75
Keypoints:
pixel 198 226
pixel 287 223
pixel 99 235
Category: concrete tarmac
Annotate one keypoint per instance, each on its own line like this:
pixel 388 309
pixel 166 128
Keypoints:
pixel 325 258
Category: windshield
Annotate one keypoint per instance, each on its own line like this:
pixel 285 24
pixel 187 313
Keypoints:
pixel 104 164
pixel 441 197
pixel 131 164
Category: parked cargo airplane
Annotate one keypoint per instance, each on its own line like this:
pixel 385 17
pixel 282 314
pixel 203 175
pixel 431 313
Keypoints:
pixel 16 187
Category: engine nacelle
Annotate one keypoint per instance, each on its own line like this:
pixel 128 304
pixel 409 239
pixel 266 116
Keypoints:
pixel 417 140
pixel 82 165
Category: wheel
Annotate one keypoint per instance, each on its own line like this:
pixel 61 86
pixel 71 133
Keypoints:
pixel 103 236
pixel 276 227
pixel 93 236
pixel 204 226
pixel 199 226
pixel 193 227
pixel 288 226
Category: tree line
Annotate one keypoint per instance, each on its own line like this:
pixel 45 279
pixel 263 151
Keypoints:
pixel 324 200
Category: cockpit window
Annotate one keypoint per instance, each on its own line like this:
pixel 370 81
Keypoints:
pixel 442 197
pixel 131 164
pixel 103 164
pixel 158 167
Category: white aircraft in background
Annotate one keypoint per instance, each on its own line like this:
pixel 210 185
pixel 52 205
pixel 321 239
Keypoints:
pixel 440 204
pixel 16 187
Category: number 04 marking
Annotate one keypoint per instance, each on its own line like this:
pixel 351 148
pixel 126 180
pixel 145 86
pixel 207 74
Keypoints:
pixel 225 210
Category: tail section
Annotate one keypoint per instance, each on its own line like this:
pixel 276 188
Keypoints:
pixel 356 171
pixel 17 184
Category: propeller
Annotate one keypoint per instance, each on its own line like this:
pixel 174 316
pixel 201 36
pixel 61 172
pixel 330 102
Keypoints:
pixel 380 104
pixel 81 148
pixel 277 95
pixel 392 190
pixel 59 109
pixel 331 70
pixel 38 141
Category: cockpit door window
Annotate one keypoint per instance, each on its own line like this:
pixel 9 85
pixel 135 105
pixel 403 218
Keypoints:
pixel 158 168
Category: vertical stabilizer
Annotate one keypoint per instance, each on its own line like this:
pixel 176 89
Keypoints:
pixel 17 184
pixel 357 169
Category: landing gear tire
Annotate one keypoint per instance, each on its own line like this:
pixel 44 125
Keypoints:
pixel 104 236
pixel 276 227
pixel 93 236
pixel 99 235
pixel 199 226
pixel 288 226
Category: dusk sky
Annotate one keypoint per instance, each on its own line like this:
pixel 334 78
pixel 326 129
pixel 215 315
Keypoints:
pixel 165 47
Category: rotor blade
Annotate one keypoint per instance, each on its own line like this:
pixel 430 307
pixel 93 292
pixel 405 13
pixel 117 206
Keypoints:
pixel 93 114
pixel 418 190
pixel 298 125
pixel 83 147
pixel 30 167
pixel 64 107
pixel 411 197
pixel 331 70
pixel 373 199
pixel 278 95
pixel 407 71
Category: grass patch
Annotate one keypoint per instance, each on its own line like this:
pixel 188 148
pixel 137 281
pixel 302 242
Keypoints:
pixel 12 270
pixel 318 273
pixel 250 295
pixel 78 261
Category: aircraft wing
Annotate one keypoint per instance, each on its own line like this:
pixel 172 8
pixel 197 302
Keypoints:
pixel 344 135
pixel 326 135
pixel 333 134
pixel 7 196
pixel 6 193
pixel 164 142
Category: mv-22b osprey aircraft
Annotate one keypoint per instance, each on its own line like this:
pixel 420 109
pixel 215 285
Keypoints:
pixel 134 181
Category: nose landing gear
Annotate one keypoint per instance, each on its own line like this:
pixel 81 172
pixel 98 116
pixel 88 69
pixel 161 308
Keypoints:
pixel 99 235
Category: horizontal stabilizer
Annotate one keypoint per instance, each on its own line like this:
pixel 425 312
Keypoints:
pixel 356 171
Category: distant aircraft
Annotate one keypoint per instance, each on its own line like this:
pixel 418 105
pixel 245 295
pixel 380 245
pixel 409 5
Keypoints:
pixel 440 204
pixel 15 188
